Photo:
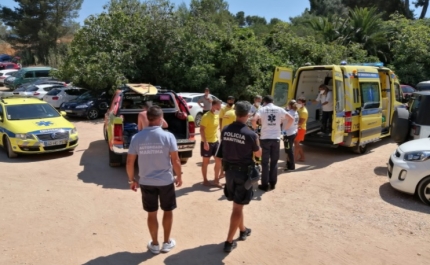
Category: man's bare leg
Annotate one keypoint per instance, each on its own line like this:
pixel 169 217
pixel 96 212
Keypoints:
pixel 217 168
pixel 153 227
pixel 236 220
pixel 205 164
pixel 167 225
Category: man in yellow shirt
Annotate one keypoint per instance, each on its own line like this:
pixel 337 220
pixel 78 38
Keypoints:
pixel 209 133
pixel 227 115
pixel 303 118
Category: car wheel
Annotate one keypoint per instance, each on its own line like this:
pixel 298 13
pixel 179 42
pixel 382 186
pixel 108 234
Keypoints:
pixel 360 149
pixel 115 160
pixel 400 126
pixel 423 190
pixel 198 119
pixel 8 147
pixel 92 114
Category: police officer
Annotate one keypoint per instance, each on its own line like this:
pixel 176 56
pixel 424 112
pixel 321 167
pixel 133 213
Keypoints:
pixel 238 145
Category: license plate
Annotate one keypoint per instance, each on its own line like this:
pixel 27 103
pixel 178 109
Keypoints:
pixel 56 142
pixel 68 111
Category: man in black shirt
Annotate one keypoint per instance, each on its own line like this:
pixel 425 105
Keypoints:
pixel 238 145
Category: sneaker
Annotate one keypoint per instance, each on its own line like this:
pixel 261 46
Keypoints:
pixel 168 246
pixel 228 247
pixel 263 187
pixel 155 249
pixel 244 234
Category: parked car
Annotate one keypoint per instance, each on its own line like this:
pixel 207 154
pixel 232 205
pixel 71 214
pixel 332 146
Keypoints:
pixel 27 75
pixel 5 74
pixel 44 81
pixel 58 96
pixel 414 122
pixel 5 58
pixel 422 86
pixel 407 91
pixel 91 104
pixel 39 91
pixel 9 65
pixel 195 109
pixel 32 126
pixel 409 168
pixel 121 120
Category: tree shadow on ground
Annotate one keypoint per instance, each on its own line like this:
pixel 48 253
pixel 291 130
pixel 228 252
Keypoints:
pixel 402 200
pixel 95 162
pixel 122 258
pixel 208 254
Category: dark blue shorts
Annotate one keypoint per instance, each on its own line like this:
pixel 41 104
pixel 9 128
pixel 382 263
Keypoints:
pixel 152 194
pixel 234 188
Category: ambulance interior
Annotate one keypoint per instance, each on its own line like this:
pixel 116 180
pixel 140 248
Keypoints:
pixel 307 86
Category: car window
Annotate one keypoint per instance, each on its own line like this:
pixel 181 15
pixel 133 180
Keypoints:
pixel 407 89
pixel 370 97
pixel 53 92
pixel 187 99
pixel 29 74
pixel 30 111
pixel 74 91
pixel 42 73
pixel 1 74
pixel 49 88
pixel 31 88
pixel 397 92
pixel 196 99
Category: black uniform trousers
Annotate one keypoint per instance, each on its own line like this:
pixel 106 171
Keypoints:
pixel 269 161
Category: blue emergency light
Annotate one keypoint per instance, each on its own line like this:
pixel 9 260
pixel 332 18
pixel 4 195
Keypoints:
pixel 378 64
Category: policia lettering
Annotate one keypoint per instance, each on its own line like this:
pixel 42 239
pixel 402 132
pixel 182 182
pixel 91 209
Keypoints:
pixel 234 137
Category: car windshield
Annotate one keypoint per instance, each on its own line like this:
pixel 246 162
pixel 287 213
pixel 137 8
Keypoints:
pixel 31 88
pixel 408 89
pixel 30 111
pixel 87 95
pixel 53 92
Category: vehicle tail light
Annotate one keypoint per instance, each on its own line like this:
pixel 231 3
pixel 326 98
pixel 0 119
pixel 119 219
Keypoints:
pixel 416 129
pixel 54 98
pixel 36 93
pixel 348 121
pixel 2 77
pixel 117 132
pixel 191 129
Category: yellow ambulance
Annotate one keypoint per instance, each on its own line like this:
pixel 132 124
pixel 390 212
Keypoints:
pixel 365 97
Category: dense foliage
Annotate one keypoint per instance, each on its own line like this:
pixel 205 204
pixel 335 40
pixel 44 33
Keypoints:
pixel 187 48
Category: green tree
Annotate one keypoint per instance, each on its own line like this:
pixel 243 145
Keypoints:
pixel 327 7
pixel 37 25
pixel 386 7
pixel 3 31
pixel 424 4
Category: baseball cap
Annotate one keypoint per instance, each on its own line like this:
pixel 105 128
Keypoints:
pixel 242 108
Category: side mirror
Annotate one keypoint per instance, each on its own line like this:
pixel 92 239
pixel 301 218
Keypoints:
pixel 63 113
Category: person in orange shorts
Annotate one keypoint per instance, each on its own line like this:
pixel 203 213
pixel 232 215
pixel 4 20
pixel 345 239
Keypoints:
pixel 303 118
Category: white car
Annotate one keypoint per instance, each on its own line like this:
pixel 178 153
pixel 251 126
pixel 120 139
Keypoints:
pixel 57 96
pixel 409 168
pixel 5 74
pixel 195 110
pixel 39 91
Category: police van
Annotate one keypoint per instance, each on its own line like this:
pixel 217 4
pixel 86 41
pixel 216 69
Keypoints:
pixel 365 97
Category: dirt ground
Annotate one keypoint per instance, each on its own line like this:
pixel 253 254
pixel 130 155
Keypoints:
pixel 337 208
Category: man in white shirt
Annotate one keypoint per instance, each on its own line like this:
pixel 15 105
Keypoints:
pixel 271 118
pixel 326 99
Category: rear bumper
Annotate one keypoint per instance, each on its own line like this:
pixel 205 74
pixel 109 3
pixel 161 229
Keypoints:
pixel 75 112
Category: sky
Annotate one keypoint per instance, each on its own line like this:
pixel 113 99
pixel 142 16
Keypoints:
pixel 282 9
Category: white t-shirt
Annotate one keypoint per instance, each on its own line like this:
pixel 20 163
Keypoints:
pixel 293 129
pixel 271 117
pixel 323 98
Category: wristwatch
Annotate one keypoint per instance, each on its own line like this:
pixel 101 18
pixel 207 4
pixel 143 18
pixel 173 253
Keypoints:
pixel 131 181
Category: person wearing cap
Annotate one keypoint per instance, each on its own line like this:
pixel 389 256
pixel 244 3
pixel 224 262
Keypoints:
pixel 271 118
pixel 205 102
pixel 238 146
pixel 290 136
pixel 227 115
pixel 299 155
